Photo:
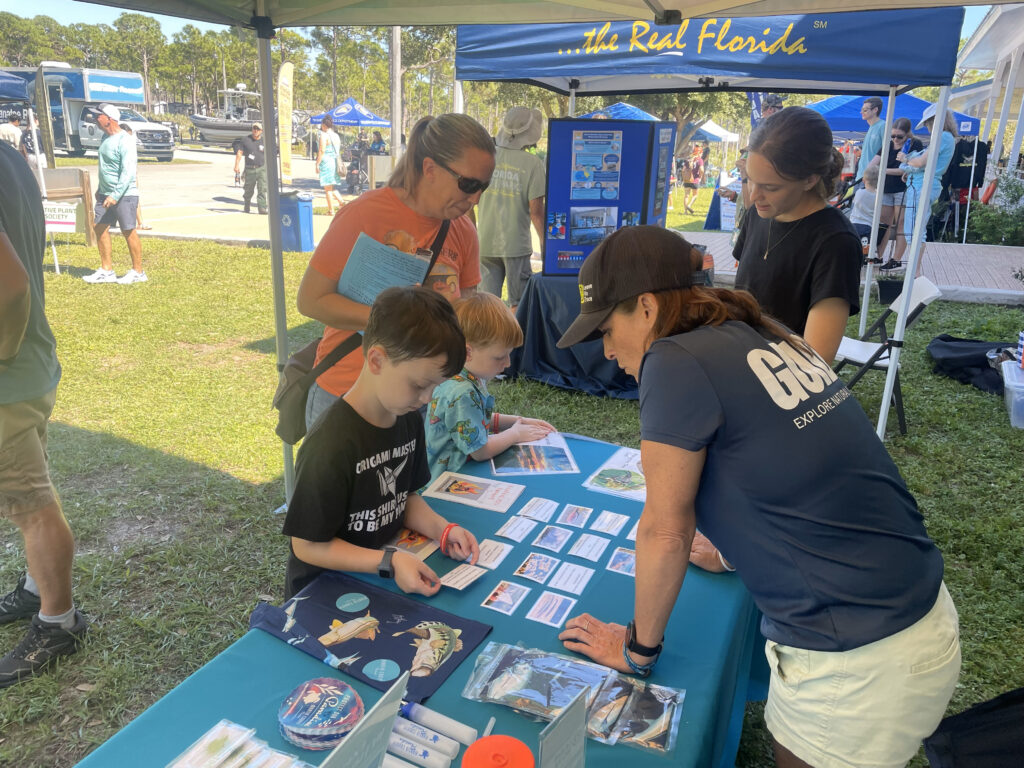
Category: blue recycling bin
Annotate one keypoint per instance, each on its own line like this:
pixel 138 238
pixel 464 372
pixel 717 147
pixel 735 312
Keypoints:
pixel 297 223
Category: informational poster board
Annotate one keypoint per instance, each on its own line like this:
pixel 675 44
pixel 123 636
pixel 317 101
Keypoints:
pixel 602 175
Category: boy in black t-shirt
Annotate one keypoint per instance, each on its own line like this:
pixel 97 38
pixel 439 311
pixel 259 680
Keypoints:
pixel 360 466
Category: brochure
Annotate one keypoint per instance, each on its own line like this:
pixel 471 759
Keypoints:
pixel 621 475
pixel 474 491
pixel 373 266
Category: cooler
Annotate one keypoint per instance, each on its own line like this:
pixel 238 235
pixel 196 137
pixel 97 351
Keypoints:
pixel 297 222
pixel 1013 391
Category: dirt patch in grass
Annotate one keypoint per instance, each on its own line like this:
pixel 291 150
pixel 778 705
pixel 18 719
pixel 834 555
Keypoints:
pixel 227 352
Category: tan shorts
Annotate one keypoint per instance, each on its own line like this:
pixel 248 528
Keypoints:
pixel 869 707
pixel 24 471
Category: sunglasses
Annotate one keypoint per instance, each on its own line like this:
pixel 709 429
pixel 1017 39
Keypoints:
pixel 467 185
pixel 899 136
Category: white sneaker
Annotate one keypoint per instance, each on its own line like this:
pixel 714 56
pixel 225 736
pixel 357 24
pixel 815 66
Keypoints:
pixel 131 276
pixel 101 276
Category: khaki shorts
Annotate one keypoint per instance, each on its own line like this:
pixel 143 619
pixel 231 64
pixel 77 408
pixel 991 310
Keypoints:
pixel 24 471
pixel 869 707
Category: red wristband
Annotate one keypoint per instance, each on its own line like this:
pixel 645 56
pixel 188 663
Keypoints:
pixel 444 537
pixel 494 424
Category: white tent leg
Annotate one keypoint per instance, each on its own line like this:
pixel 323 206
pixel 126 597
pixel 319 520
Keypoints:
pixel 970 191
pixel 572 102
pixel 395 66
pixel 274 220
pixel 458 98
pixel 923 213
pixel 876 215
pixel 1018 133
pixel 1004 113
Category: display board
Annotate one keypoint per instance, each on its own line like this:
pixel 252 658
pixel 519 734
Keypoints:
pixel 602 175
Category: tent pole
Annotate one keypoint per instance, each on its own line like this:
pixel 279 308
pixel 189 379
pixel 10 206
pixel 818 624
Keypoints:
pixel 970 189
pixel 572 102
pixel 395 60
pixel 923 213
pixel 1004 113
pixel 1012 158
pixel 876 215
pixel 458 98
pixel 264 33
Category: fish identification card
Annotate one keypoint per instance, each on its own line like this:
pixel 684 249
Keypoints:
pixel 492 553
pixel 461 576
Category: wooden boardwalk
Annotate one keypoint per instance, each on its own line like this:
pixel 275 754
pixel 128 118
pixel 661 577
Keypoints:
pixel 972 273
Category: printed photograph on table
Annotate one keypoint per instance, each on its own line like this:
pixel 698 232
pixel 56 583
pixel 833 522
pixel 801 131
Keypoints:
pixel 372 634
pixel 415 543
pixel 516 528
pixel 551 609
pixel 548 456
pixel 623 561
pixel 494 495
pixel 552 537
pixel 575 516
pixel 537 567
pixel 506 597
pixel 621 475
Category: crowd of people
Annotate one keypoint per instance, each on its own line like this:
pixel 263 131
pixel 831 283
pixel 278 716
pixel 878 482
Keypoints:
pixel 812 514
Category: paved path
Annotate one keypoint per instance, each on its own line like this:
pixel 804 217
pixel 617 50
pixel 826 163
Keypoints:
pixel 199 200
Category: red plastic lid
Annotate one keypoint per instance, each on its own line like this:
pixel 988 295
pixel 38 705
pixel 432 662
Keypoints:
pixel 498 752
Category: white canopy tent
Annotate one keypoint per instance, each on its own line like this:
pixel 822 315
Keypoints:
pixel 264 16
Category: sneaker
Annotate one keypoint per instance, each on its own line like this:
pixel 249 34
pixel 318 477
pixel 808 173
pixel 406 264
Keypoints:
pixel 101 276
pixel 892 264
pixel 41 646
pixel 131 276
pixel 19 603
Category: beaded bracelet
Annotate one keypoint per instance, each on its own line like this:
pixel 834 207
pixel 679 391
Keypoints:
pixel 725 565
pixel 444 537
pixel 641 670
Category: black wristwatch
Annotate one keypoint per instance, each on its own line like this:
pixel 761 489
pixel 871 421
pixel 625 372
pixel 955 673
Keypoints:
pixel 634 647
pixel 385 570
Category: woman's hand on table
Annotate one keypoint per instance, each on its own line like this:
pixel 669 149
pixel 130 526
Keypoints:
pixel 704 555
pixel 413 575
pixel 462 545
pixel 596 640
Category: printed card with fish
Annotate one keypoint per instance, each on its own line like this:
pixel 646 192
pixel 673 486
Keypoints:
pixel 373 634
pixel 621 475
pixel 483 493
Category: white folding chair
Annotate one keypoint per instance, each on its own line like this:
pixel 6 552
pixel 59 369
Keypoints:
pixel 871 351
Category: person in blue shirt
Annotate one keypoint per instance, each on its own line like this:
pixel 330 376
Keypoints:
pixel 377 146
pixel 748 435
pixel 913 165
pixel 875 137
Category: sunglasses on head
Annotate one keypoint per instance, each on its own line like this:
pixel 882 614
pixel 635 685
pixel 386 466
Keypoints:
pixel 467 185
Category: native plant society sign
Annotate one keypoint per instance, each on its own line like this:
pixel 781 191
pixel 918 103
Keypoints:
pixel 60 217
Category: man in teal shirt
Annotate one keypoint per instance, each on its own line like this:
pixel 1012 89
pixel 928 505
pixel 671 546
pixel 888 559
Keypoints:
pixel 29 373
pixel 117 198
pixel 873 139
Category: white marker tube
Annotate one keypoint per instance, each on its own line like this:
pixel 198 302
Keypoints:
pixel 390 761
pixel 415 752
pixel 461 732
pixel 427 737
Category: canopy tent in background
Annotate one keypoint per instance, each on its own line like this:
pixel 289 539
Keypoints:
pixel 13 88
pixel 817 53
pixel 723 134
pixel 351 112
pixel 621 111
pixel 843 115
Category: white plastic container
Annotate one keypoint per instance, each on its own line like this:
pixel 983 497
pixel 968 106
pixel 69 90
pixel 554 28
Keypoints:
pixel 1013 391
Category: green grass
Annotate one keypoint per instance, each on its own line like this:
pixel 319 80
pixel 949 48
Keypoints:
pixel 162 447
pixel 78 162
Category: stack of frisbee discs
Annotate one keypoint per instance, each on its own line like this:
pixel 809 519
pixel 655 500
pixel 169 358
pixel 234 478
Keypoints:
pixel 319 713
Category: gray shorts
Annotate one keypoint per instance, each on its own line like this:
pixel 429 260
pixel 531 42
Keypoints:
pixel 122 213
pixel 893 199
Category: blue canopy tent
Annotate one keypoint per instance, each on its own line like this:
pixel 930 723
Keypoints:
pixel 351 112
pixel 866 52
pixel 843 114
pixel 13 88
pixel 621 111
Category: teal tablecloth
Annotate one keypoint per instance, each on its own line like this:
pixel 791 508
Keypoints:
pixel 710 642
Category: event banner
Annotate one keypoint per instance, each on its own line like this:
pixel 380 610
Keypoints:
pixel 284 120
pixel 902 47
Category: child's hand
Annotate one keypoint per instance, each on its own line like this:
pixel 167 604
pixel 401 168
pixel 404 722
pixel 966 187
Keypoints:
pixel 462 545
pixel 413 575
pixel 539 422
pixel 526 432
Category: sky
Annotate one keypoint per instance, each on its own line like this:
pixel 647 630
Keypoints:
pixel 71 12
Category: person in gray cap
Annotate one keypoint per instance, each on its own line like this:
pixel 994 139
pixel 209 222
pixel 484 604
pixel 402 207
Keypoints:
pixel 770 104
pixel 117 198
pixel 748 435
pixel 251 149
pixel 514 200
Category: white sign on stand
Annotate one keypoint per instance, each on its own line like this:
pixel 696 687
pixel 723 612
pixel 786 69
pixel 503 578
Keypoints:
pixel 563 742
pixel 59 217
pixel 366 744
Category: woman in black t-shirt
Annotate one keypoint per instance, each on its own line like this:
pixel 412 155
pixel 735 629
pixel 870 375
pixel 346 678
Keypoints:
pixel 892 200
pixel 798 256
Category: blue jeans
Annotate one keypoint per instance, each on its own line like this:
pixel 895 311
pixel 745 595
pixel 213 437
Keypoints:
pixel 317 401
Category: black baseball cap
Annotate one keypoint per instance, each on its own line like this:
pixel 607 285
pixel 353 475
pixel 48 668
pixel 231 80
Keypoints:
pixel 627 263
pixel 772 100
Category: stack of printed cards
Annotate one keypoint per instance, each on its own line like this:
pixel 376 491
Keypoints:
pixel 230 744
